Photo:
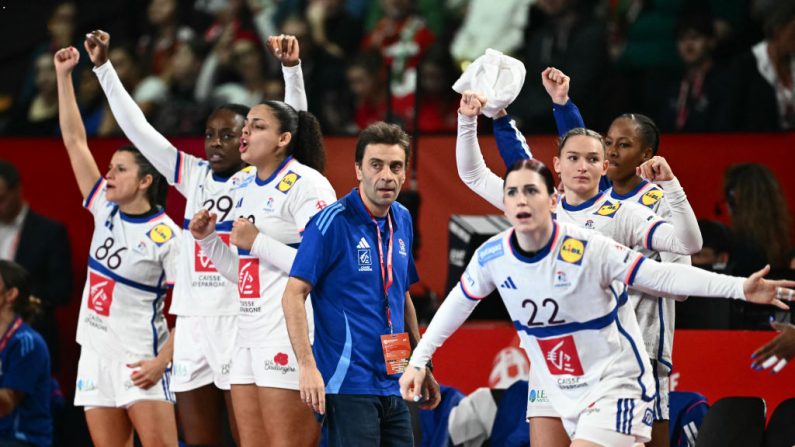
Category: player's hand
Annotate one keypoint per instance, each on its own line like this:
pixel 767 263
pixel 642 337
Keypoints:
pixel 202 224
pixel 312 388
pixel 66 60
pixel 149 372
pixel 285 48
pixel 778 351
pixel 556 83
pixel 471 103
pixel 655 169
pixel 759 290
pixel 96 44
pixel 243 233
pixel 411 383
pixel 431 395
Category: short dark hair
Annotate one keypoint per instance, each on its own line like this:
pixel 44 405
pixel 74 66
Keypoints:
pixel 16 277
pixel 237 109
pixel 535 166
pixel 649 133
pixel 581 131
pixel 9 173
pixel 382 133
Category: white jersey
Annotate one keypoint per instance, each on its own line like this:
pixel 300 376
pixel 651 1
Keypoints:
pixel 566 303
pixel 130 264
pixel 279 207
pixel 655 314
pixel 200 290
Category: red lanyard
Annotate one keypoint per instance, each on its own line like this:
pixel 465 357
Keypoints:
pixel 386 272
pixel 12 329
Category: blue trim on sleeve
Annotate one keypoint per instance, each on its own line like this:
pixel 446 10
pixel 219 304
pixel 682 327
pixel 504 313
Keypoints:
pixel 178 167
pixel 650 234
pixel 96 265
pixel 641 259
pixel 93 192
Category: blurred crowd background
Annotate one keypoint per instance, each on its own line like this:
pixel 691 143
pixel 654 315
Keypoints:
pixel 692 66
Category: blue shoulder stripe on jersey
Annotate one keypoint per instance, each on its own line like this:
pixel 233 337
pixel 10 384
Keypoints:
pixel 634 191
pixel 567 328
pixel 324 222
pixel 335 382
pixel 581 206
pixel 220 226
pixel 323 215
pixel 95 265
pixel 178 167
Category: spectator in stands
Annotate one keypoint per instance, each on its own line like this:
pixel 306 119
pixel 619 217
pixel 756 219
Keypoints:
pixel 760 220
pixel 778 351
pixel 324 74
pixel 158 45
pixel 696 99
pixel 41 246
pixel 438 102
pixel 39 115
pixel 367 83
pixel 714 254
pixel 25 418
pixel 569 37
pixel 182 114
pixel 402 38
pixel 332 28
pixel 763 90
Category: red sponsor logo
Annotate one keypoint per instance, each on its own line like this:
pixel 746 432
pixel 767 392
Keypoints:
pixel 248 278
pixel 320 204
pixel 100 293
pixel 281 359
pixel 561 356
pixel 202 262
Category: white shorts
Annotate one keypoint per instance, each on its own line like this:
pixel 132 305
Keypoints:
pixel 613 422
pixel 269 366
pixel 203 348
pixel 538 404
pixel 103 382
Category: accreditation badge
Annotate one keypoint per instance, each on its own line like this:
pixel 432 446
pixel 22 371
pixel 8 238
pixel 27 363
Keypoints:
pixel 397 351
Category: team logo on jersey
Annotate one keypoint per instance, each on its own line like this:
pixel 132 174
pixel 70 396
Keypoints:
pixel 238 183
pixel 100 294
pixel 651 197
pixel 490 250
pixel 561 280
pixel 648 417
pixel 402 247
pixel 268 204
pixel 160 234
pixel 288 181
pixel 589 224
pixel 202 262
pixel 608 209
pixel 561 356
pixel 363 256
pixel 248 278
pixel 572 250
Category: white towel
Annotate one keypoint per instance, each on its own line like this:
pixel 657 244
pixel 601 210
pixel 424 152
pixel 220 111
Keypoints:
pixel 495 75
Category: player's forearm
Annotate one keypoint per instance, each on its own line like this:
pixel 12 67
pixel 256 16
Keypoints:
pixel 294 307
pixel 682 217
pixel 294 90
pixel 130 118
pixel 453 312
pixel 676 279
pixel 223 257
pixel 9 400
pixel 167 351
pixel 273 252
pixel 74 136
pixel 472 168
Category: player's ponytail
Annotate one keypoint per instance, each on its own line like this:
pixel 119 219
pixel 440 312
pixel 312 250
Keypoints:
pixel 14 276
pixel 156 194
pixel 306 144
